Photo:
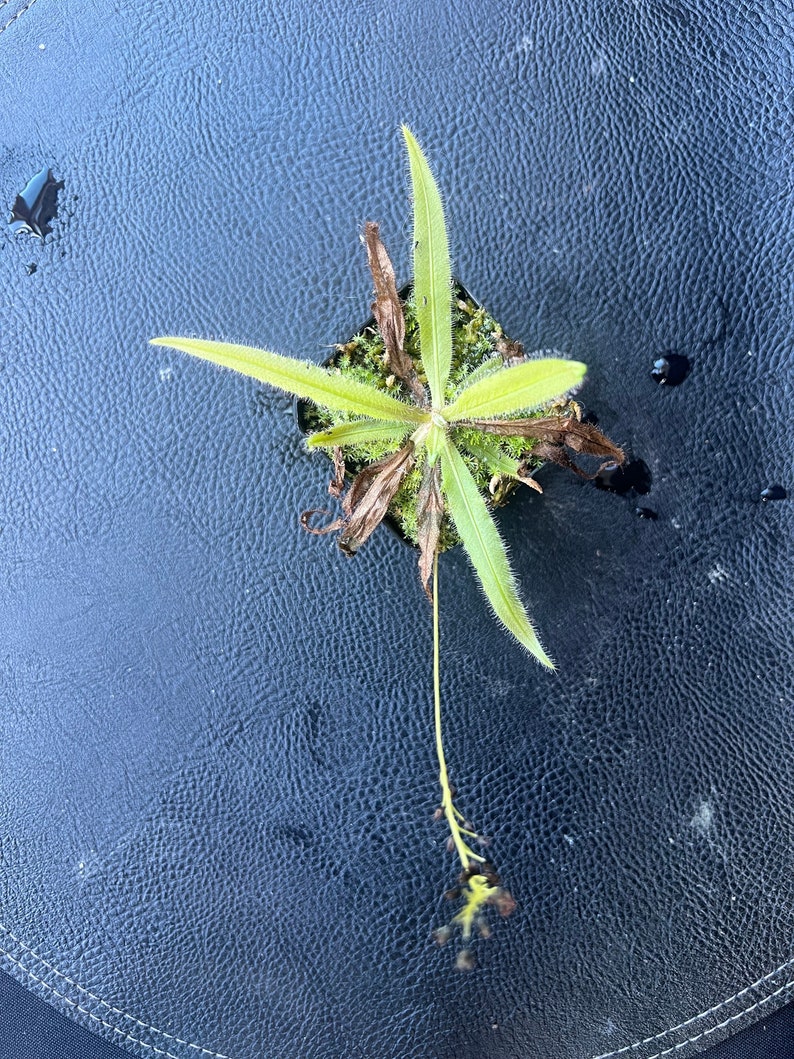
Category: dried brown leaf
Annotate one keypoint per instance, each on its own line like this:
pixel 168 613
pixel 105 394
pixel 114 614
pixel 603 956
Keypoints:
pixel 430 512
pixel 555 434
pixel 337 483
pixel 388 312
pixel 512 352
pixel 368 498
pixel 319 531
pixel 558 430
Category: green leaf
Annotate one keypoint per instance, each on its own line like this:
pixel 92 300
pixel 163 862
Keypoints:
pixel 488 452
pixel 488 367
pixel 359 433
pixel 527 385
pixel 299 377
pixel 432 275
pixel 486 550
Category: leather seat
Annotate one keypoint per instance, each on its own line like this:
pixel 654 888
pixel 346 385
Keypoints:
pixel 216 829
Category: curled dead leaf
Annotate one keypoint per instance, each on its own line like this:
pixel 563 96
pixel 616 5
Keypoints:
pixel 337 483
pixel 555 434
pixel 388 312
pixel 430 512
pixel 367 501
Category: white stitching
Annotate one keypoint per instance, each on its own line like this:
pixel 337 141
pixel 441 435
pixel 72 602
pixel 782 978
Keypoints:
pixel 704 1014
pixel 85 1011
pixel 217 1055
pixel 19 14
pixel 99 1000
pixel 721 1025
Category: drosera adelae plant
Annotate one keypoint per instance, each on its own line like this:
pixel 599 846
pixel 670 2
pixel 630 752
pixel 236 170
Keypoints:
pixel 437 435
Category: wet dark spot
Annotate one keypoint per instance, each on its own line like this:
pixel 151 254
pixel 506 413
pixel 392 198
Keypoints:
pixel 31 268
pixel 589 416
pixel 671 369
pixel 36 205
pixel 774 492
pixel 634 476
pixel 645 512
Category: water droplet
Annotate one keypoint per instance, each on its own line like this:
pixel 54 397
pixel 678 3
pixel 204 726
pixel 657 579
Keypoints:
pixel 633 476
pixel 671 369
pixel 36 205
pixel 645 512
pixel 774 492
pixel 31 268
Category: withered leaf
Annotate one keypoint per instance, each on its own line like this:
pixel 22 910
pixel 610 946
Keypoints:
pixel 555 434
pixel 337 483
pixel 319 531
pixel 369 496
pixel 430 512
pixel 388 312
pixel 559 430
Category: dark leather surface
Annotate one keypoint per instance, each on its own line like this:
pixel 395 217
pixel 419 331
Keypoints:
pixel 217 777
pixel 32 1029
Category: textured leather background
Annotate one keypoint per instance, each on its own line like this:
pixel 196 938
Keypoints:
pixel 216 768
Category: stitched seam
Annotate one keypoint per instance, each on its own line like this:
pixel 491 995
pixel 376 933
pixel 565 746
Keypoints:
pixel 92 996
pixel 217 1055
pixel 726 1022
pixel 18 14
pixel 704 1014
pixel 85 1011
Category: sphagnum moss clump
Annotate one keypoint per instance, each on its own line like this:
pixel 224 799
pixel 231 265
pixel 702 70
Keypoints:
pixel 432 416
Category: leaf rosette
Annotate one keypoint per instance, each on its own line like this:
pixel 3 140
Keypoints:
pixel 438 415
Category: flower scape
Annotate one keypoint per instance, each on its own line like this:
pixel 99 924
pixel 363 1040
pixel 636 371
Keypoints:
pixel 432 417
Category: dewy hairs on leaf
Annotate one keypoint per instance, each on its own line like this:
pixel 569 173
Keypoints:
pixel 439 415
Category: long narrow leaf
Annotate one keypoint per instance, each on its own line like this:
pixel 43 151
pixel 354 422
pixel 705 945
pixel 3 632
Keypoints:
pixel 486 550
pixel 527 385
pixel 359 432
pixel 299 377
pixel 488 367
pixel 432 275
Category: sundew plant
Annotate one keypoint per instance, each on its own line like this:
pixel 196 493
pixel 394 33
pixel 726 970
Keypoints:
pixel 440 415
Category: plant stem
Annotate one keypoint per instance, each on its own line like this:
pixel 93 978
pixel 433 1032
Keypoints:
pixel 453 817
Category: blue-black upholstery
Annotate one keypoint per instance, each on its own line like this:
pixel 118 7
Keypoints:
pixel 217 775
